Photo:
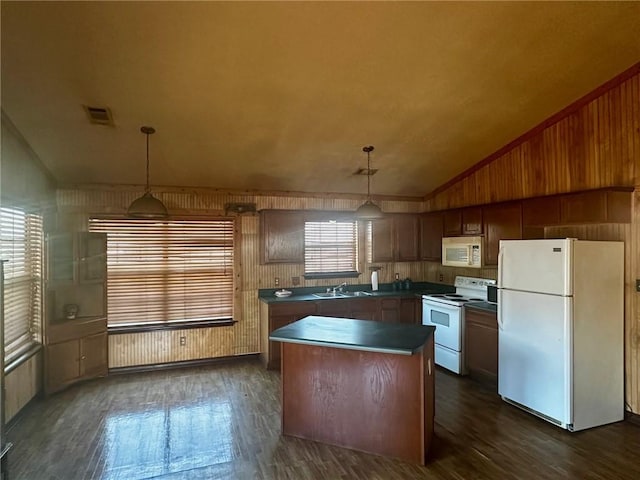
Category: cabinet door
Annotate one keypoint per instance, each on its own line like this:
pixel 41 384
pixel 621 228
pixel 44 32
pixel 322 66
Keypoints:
pixel 93 356
pixel 452 223
pixel 92 253
pixel 282 233
pixel 62 364
pixel 382 240
pixel 538 213
pixel 408 310
pixel 390 309
pixel 333 308
pixel 502 221
pixel 431 232
pixel 281 315
pixel 364 308
pixel 61 258
pixel 407 231
pixel 472 221
pixel 481 341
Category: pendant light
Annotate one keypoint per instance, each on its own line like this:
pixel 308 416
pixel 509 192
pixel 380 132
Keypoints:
pixel 147 206
pixel 368 210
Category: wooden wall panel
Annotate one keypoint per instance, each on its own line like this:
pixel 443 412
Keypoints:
pixel 76 205
pixel 22 384
pixel 163 346
pixel 594 145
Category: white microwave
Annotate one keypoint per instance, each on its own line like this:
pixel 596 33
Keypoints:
pixel 462 252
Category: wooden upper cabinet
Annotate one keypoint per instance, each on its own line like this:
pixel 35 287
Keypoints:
pixel 407 236
pixel 472 221
pixel 537 213
pixel 431 233
pixel 598 206
pixel 463 221
pixel 382 240
pixel 395 238
pixel 282 236
pixel 452 222
pixel 502 221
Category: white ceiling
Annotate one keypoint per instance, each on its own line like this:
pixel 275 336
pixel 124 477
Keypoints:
pixel 282 96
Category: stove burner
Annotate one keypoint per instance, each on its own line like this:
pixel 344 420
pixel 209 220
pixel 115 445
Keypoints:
pixel 453 295
pixel 476 300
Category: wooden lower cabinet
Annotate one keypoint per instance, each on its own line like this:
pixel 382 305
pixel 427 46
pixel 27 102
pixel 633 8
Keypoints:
pixel 74 360
pixel 274 316
pixel 481 345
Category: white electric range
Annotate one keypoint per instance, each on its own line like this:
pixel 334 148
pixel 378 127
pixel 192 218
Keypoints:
pixel 445 311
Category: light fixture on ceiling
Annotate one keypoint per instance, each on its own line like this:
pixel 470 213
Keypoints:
pixel 147 206
pixel 368 210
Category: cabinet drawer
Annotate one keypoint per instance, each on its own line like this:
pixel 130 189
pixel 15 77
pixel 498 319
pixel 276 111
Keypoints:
pixel 74 329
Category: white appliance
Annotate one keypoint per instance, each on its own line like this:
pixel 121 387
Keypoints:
pixel 561 330
pixel 462 252
pixel 445 311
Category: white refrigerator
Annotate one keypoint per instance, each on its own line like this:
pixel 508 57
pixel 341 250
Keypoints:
pixel 561 330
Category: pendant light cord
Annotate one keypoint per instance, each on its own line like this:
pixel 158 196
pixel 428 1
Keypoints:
pixel 368 149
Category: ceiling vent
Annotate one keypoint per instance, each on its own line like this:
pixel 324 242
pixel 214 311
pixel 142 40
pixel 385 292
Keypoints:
pixel 366 171
pixel 99 115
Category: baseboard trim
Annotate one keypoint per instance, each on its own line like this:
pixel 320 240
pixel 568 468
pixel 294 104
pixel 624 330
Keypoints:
pixel 24 411
pixel 182 364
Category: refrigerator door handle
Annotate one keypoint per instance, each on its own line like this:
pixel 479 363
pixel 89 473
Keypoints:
pixel 500 254
pixel 499 316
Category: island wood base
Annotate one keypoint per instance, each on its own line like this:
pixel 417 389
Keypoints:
pixel 381 403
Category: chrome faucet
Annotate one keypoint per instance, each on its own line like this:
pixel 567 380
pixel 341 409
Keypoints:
pixel 338 287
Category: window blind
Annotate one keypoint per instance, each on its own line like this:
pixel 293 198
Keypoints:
pixel 21 247
pixel 168 271
pixel 331 247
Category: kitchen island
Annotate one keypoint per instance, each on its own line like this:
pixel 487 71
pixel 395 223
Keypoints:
pixel 359 384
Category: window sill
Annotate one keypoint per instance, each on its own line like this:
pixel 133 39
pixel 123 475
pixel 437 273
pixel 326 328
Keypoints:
pixel 312 275
pixel 140 328
pixel 20 359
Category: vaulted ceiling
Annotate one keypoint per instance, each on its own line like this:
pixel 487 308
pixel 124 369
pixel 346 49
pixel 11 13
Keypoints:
pixel 282 96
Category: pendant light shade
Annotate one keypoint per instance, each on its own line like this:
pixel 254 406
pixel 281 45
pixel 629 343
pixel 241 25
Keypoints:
pixel 368 210
pixel 147 206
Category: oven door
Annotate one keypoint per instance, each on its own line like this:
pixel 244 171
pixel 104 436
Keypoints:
pixel 448 322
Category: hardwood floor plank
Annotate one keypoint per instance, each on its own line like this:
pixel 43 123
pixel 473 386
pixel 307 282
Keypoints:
pixel 223 422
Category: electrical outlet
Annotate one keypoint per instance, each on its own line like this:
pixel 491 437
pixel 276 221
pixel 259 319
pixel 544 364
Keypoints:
pixel 183 341
pixel 440 277
pixel 277 280
pixel 295 281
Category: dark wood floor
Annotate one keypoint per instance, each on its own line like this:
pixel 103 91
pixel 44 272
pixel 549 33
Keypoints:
pixel 223 422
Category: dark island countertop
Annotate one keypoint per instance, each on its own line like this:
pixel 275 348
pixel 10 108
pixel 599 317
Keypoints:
pixel 367 335
pixel 302 294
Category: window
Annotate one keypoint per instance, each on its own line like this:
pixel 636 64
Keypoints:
pixel 331 248
pixel 21 246
pixel 167 272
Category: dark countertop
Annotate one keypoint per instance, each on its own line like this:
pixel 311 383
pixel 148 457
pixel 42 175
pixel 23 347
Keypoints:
pixel 306 293
pixel 486 306
pixel 367 335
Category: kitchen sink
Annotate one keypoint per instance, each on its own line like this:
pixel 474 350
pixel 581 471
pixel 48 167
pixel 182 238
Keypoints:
pixel 329 295
pixel 359 293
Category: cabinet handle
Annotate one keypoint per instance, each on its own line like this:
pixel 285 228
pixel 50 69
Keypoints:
pixel 83 357
pixel 429 366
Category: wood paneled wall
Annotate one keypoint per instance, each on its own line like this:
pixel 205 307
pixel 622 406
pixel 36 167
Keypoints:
pixel 75 206
pixel 596 144
pixel 22 384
